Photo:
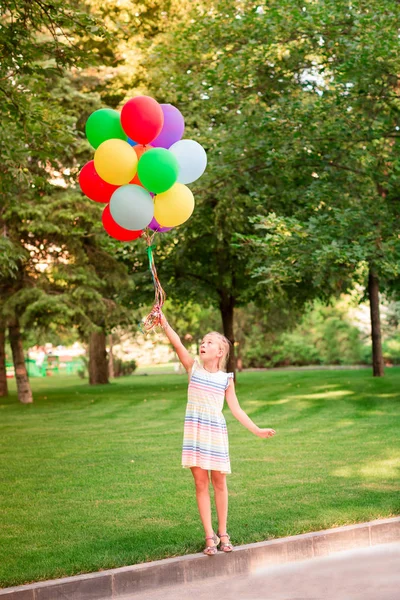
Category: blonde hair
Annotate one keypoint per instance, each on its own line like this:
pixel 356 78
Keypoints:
pixel 225 345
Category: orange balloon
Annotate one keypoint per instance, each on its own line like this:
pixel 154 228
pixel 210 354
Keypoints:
pixel 139 149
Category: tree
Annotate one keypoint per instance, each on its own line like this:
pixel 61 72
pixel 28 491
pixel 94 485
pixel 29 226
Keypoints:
pixel 194 65
pixel 188 71
pixel 70 276
pixel 294 118
pixel 347 128
pixel 38 41
pixel 3 372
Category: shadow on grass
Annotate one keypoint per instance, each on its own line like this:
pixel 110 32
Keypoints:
pixel 362 396
pixel 132 389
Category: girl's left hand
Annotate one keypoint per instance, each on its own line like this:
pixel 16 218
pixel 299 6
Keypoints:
pixel 163 321
pixel 265 433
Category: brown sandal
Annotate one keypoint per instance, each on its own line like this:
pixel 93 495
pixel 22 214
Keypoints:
pixel 225 546
pixel 211 550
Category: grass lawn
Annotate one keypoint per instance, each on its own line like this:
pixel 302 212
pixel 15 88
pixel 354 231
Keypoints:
pixel 91 476
pixel 161 369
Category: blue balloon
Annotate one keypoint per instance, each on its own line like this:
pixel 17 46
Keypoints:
pixel 131 142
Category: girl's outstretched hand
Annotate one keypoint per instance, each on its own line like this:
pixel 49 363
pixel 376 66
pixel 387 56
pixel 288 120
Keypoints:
pixel 163 321
pixel 265 433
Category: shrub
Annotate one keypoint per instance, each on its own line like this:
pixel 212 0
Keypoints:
pixel 391 350
pixel 83 371
pixel 123 367
pixel 322 336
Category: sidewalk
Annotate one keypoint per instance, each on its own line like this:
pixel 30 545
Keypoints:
pixel 363 574
pixel 245 560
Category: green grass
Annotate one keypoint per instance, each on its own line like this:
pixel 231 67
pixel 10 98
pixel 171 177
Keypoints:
pixel 166 368
pixel 91 476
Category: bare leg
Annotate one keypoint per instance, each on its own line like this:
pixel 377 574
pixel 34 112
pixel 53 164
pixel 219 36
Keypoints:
pixel 203 500
pixel 221 499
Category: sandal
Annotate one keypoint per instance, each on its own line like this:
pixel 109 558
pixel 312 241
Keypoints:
pixel 225 546
pixel 211 550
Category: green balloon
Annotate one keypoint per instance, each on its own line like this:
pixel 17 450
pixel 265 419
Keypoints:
pixel 104 124
pixel 158 170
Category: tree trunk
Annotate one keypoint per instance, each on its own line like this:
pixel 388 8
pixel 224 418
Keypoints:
pixel 110 357
pixel 21 375
pixel 226 307
pixel 373 293
pixel 3 373
pixel 98 363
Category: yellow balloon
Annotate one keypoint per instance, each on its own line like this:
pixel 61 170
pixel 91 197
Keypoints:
pixel 116 162
pixel 173 207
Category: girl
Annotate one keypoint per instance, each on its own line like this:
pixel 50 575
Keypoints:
pixel 205 440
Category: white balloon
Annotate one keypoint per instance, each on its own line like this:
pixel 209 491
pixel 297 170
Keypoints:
pixel 132 207
pixel 192 159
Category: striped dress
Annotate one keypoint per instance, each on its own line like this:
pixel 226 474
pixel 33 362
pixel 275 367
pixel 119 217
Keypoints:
pixel 205 437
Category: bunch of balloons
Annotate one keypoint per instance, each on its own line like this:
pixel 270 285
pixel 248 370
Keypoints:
pixel 141 167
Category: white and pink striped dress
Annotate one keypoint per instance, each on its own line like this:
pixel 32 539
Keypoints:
pixel 205 437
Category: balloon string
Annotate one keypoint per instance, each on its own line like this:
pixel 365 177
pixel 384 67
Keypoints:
pixel 154 317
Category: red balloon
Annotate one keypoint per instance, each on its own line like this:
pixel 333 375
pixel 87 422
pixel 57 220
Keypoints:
pixel 115 230
pixel 142 119
pixel 93 186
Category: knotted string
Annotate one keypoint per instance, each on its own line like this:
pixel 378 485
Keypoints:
pixel 154 317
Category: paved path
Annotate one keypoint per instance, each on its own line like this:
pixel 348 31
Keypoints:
pixel 366 574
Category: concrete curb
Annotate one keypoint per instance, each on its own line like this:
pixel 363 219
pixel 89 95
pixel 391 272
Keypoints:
pixel 119 583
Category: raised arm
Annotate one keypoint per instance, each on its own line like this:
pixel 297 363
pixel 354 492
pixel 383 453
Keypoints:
pixel 186 359
pixel 241 416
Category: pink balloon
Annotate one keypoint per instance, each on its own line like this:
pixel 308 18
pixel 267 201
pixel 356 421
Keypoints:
pixel 155 226
pixel 173 128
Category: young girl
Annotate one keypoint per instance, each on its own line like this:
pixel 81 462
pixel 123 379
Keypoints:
pixel 205 440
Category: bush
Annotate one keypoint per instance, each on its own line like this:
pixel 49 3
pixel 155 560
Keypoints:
pixel 122 367
pixel 323 336
pixel 84 370
pixel 391 350
pixel 295 349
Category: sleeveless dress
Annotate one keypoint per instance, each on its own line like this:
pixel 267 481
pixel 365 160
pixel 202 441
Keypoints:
pixel 205 436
